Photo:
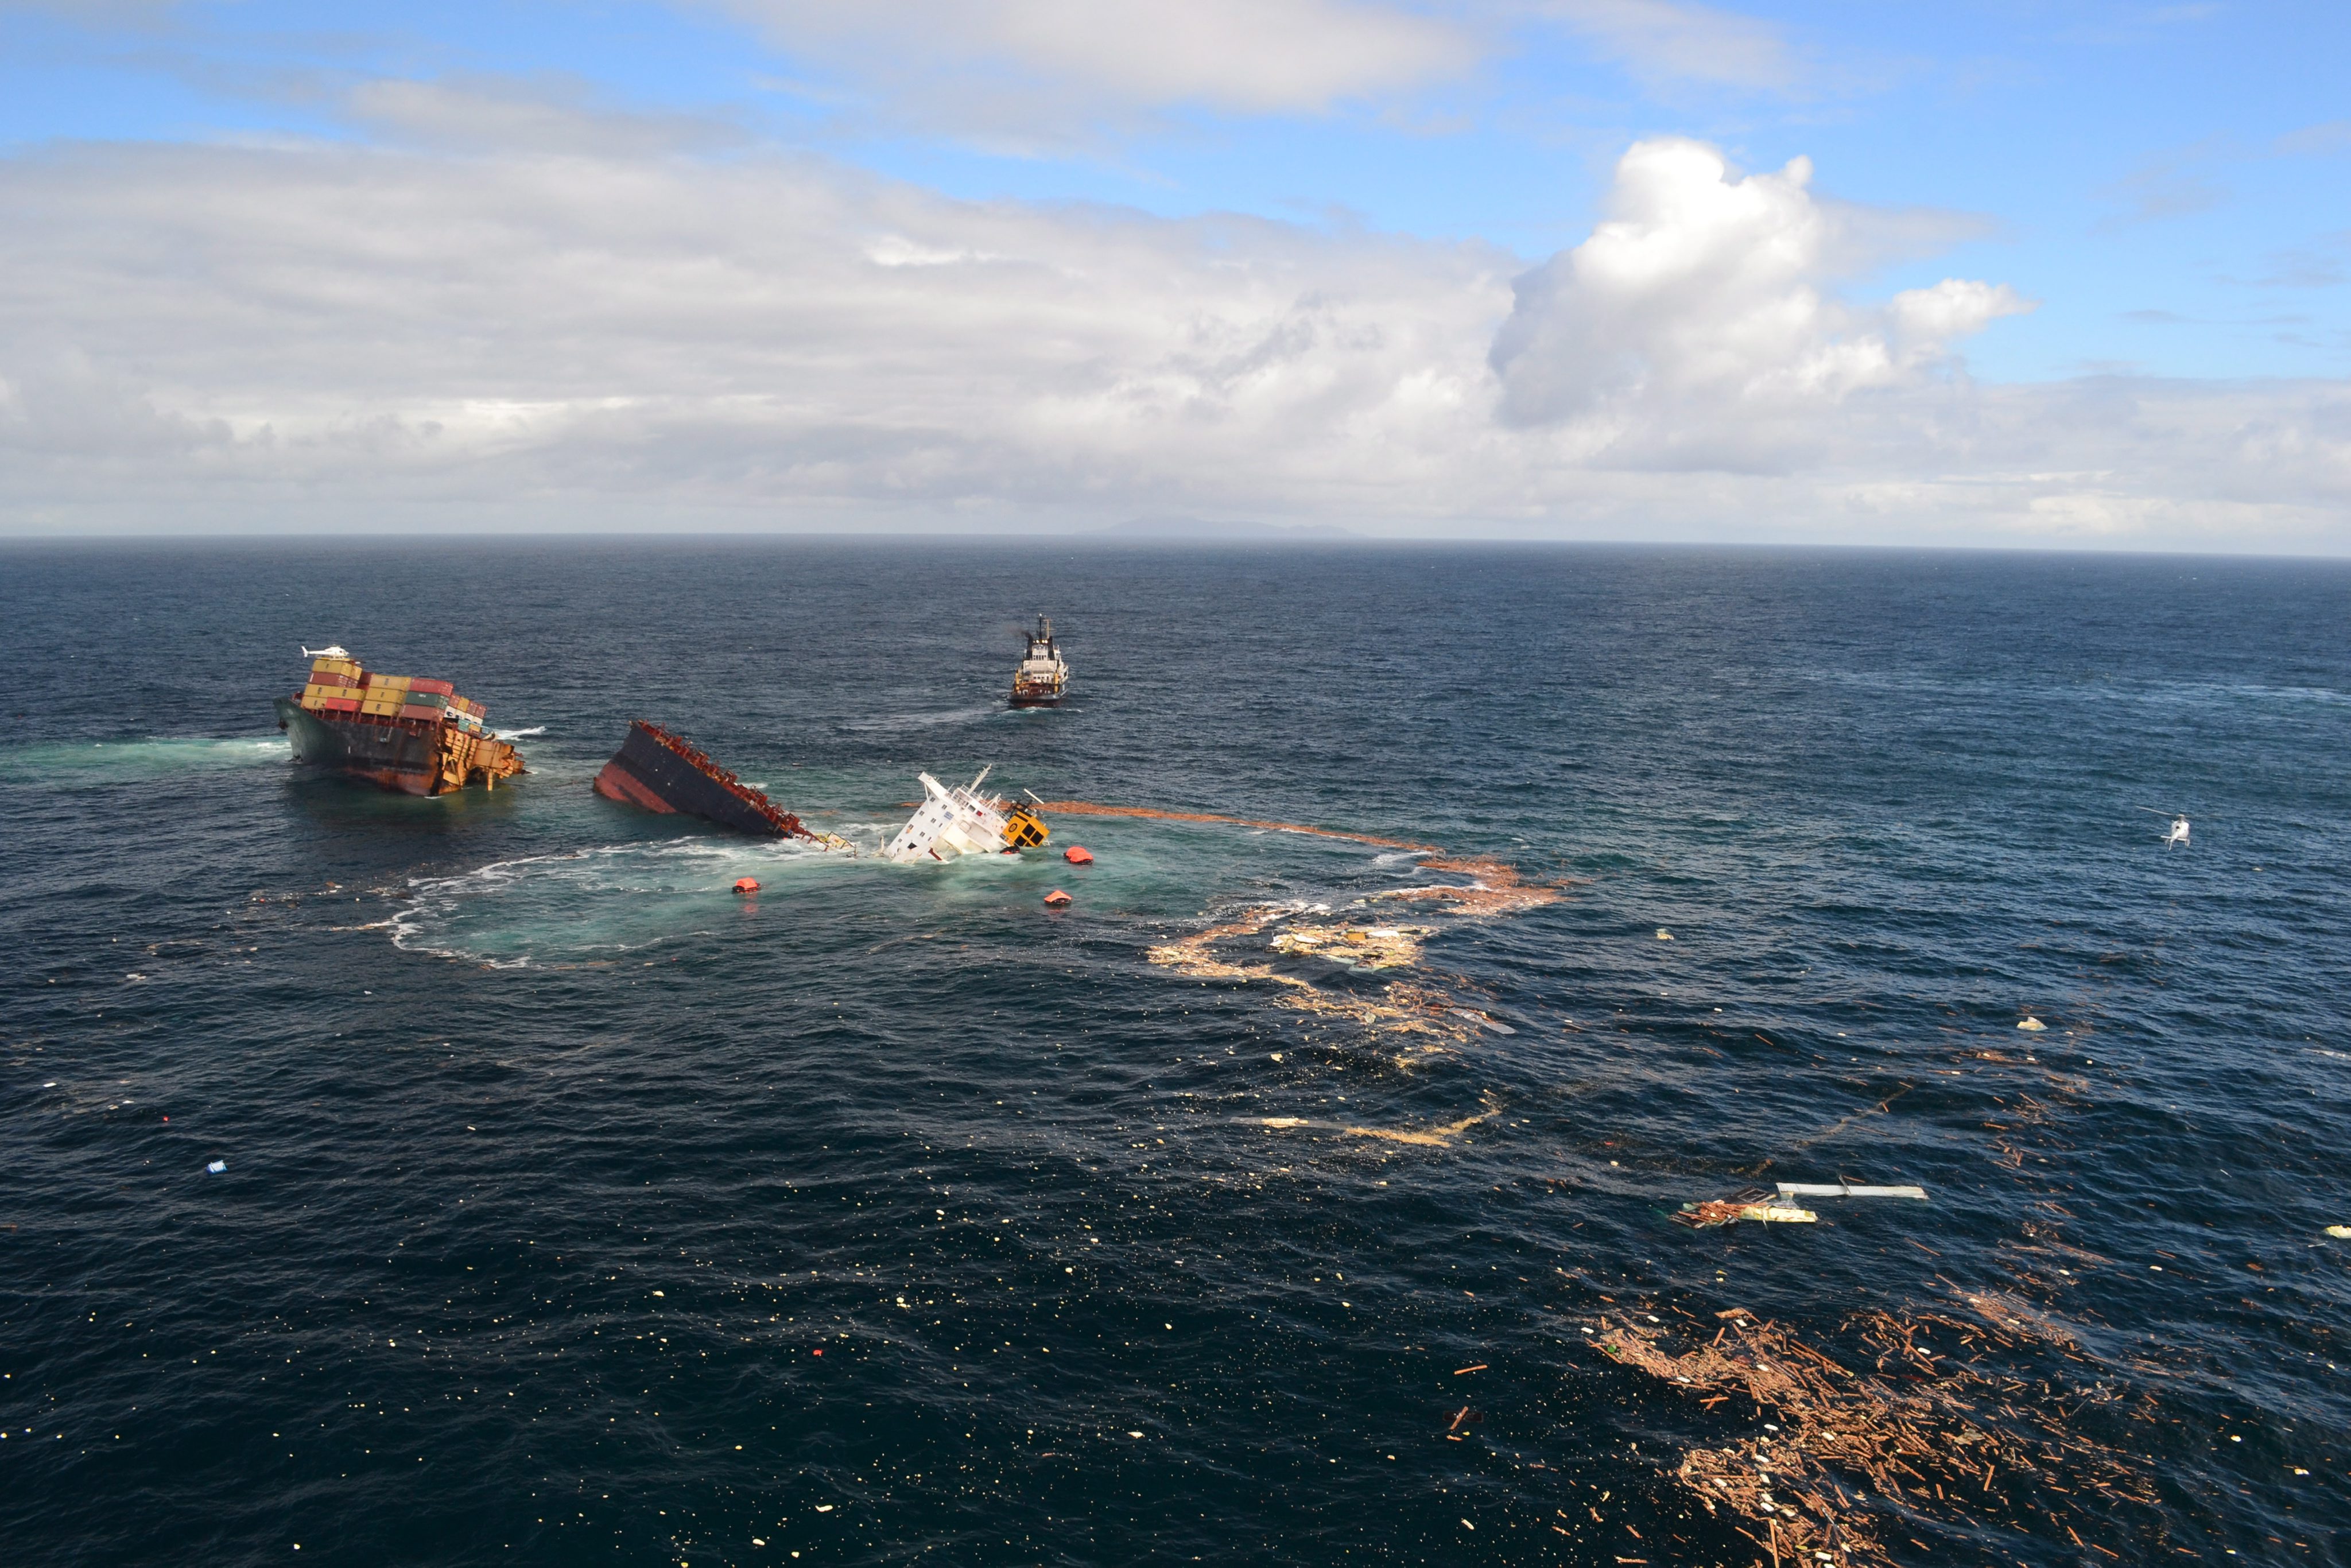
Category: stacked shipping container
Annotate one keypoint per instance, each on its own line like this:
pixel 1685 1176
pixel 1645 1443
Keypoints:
pixel 341 685
pixel 459 740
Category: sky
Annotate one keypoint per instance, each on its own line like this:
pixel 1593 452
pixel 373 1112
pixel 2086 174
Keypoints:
pixel 1987 273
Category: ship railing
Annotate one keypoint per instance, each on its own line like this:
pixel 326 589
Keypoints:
pixel 782 821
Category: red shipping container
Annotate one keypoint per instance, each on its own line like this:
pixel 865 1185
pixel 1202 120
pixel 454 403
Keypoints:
pixel 444 687
pixel 339 704
pixel 431 713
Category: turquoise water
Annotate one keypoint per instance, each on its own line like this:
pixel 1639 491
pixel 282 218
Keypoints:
pixel 549 1165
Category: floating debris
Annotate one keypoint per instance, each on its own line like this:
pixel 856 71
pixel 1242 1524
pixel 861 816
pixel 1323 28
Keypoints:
pixel 2340 1232
pixel 1910 1441
pixel 2032 1025
pixel 1664 935
pixel 1357 946
pixel 1495 888
pixel 1756 1207
pixel 1847 1190
pixel 1431 1137
pixel 1436 1138
pixel 1057 899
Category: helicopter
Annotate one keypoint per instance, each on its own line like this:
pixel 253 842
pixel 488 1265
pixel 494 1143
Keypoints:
pixel 2176 836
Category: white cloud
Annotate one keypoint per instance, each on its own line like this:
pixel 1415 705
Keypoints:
pixel 545 115
pixel 1662 42
pixel 1700 319
pixel 1050 66
pixel 296 337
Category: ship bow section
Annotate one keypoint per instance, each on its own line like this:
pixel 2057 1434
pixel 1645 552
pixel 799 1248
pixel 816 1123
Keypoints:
pixel 661 772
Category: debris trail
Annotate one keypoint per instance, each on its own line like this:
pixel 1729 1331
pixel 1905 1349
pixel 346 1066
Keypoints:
pixel 1909 1441
pixel 1432 1138
pixel 1498 888
pixel 1402 1008
pixel 1088 808
pixel 1439 1137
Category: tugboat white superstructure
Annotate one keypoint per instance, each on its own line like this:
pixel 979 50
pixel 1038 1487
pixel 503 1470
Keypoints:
pixel 1043 674
pixel 964 822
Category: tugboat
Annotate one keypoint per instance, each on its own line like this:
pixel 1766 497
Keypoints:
pixel 1043 674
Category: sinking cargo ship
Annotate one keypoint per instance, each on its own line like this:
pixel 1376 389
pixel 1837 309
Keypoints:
pixel 406 732
pixel 1043 675
pixel 964 822
pixel 663 772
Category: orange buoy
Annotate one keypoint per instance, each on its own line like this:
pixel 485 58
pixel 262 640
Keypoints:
pixel 1078 855
pixel 747 885
pixel 1057 899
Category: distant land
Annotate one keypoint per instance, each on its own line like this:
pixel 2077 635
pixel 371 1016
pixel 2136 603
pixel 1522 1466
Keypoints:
pixel 1206 528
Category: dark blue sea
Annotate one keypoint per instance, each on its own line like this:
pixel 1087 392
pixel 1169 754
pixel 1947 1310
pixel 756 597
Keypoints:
pixel 479 1180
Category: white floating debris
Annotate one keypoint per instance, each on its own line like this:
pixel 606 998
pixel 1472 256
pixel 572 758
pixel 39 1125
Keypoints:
pixel 1664 935
pixel 2342 1232
pixel 1847 1190
pixel 217 1166
pixel 2032 1025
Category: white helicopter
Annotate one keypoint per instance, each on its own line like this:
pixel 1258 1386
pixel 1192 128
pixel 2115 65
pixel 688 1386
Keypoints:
pixel 2176 837
pixel 331 650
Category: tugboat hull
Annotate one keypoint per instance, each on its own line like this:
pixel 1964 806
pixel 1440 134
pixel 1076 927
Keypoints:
pixel 1043 675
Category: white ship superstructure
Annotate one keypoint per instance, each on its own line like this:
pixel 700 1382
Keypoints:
pixel 963 821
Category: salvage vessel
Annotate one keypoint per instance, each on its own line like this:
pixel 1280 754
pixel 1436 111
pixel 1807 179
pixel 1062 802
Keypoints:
pixel 963 820
pixel 1043 675
pixel 664 772
pixel 406 732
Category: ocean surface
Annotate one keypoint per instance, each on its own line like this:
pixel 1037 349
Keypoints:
pixel 479 1180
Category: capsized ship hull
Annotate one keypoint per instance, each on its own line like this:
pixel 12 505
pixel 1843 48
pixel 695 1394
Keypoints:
pixel 661 772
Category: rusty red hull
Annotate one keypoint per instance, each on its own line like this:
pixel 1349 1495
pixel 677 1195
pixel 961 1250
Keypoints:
pixel 408 755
